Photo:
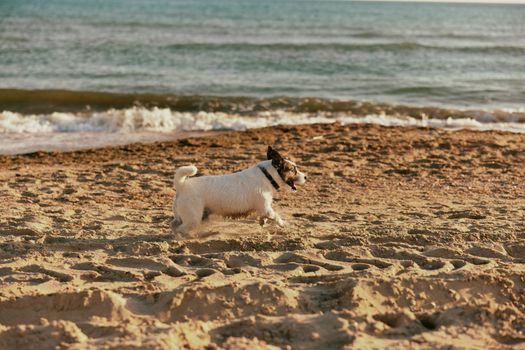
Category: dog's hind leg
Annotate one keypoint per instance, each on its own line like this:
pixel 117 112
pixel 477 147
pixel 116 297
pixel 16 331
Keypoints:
pixel 190 216
pixel 187 225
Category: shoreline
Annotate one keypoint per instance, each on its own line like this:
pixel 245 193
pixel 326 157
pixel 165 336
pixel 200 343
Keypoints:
pixel 402 237
pixel 67 132
pixel 23 144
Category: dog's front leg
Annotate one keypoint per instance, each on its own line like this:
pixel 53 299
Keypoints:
pixel 272 216
pixel 267 212
pixel 278 219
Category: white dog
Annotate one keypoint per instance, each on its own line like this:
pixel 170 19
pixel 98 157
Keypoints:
pixel 238 194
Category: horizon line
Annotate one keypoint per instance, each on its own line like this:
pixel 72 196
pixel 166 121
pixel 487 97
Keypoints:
pixel 491 2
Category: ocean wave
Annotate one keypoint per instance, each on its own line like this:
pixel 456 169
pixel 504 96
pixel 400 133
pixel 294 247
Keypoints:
pixel 164 120
pixel 47 102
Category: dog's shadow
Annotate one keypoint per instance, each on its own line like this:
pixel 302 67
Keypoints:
pixel 237 228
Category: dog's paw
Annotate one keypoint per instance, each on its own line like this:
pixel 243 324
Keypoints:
pixel 281 222
pixel 180 236
pixel 176 236
pixel 175 223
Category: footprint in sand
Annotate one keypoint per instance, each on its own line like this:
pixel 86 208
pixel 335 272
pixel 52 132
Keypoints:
pixel 191 260
pixel 486 252
pixel 432 264
pixel 516 250
pixel 201 273
pixel 150 268
pixel 360 267
pixel 348 257
pixel 300 259
pixel 401 254
pixel 200 264
pixel 105 273
pixel 466 214
pixel 60 276
pixel 242 260
pixel 138 263
pixel 458 264
pixel 311 268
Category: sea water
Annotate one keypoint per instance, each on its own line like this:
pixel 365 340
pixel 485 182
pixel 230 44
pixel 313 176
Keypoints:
pixel 70 66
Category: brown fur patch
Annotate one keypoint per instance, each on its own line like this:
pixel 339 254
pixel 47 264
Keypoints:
pixel 288 171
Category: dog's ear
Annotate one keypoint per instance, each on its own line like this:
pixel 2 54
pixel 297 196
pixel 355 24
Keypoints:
pixel 275 157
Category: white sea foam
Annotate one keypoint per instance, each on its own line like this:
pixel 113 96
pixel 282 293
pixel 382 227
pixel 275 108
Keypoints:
pixel 164 120
pixel 61 131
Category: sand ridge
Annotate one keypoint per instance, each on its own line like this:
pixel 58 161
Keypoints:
pixel 402 238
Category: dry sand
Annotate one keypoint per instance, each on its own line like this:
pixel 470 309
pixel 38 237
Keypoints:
pixel 402 238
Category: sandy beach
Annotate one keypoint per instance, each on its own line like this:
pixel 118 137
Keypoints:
pixel 402 238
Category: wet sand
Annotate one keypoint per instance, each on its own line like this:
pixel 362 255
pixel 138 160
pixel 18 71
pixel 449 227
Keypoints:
pixel 402 238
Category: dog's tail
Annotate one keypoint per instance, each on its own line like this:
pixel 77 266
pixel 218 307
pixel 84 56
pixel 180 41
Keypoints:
pixel 182 173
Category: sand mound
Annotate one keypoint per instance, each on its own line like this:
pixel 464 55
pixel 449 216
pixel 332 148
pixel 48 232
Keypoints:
pixel 63 306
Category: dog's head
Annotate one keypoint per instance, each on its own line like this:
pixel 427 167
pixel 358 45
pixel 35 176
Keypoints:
pixel 287 169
